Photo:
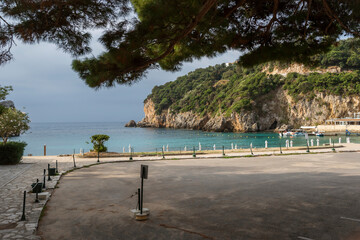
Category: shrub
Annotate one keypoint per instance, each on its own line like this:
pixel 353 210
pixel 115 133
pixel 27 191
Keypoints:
pixel 98 142
pixel 11 152
pixel 13 123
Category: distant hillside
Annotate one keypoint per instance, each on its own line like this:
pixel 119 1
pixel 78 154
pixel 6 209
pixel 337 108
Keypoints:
pixel 239 97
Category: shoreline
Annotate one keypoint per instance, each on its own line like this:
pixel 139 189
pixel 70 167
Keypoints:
pixel 344 147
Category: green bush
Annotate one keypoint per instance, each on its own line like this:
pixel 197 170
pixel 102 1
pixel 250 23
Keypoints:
pixel 98 141
pixel 11 152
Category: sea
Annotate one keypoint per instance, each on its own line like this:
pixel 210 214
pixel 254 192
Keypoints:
pixel 67 138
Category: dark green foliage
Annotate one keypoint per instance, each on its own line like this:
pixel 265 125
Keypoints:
pixel 167 33
pixel 11 152
pixel 345 83
pixel 345 54
pixel 214 89
pixel 98 142
pixel 227 89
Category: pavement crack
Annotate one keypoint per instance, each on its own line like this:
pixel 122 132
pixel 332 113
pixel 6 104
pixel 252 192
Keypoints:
pixel 188 231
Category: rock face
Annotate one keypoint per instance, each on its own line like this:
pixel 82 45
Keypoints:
pixel 276 110
pixel 131 123
pixel 7 104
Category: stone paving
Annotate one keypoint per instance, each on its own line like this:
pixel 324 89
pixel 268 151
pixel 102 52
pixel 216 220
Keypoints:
pixel 16 179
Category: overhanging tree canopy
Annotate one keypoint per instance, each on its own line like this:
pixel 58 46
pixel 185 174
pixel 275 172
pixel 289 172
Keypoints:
pixel 167 33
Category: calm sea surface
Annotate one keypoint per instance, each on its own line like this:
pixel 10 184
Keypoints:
pixel 63 138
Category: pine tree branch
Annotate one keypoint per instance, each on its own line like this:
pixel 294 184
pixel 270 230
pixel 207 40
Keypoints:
pixel 332 15
pixel 205 9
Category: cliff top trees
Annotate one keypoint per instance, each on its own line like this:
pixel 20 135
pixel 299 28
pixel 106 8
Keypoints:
pixel 166 33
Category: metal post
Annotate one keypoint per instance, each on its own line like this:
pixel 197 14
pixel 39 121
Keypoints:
pixel 163 155
pixel 23 213
pixel 138 198
pixel 223 150
pixel 74 161
pixel 44 178
pixel 280 147
pixel 131 151
pixel 44 149
pixel 194 154
pixel 251 149
pixel 37 191
pixel 49 178
pixel 98 156
pixel 333 145
pixel 142 192
pixel 57 171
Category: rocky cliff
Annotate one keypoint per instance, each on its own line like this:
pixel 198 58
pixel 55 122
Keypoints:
pixel 278 110
pixel 228 97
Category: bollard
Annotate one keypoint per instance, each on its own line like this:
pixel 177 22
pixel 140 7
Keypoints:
pixel 49 178
pixel 123 149
pixel 291 143
pixel 23 213
pixel 56 169
pixel 330 141
pixel 163 155
pixel 214 147
pixel 266 144
pixel 312 142
pixel 167 147
pixel 44 178
pixel 280 147
pixel 74 161
pixel 235 146
pixel 131 158
pixel 98 156
pixel 185 149
pixel 333 146
pixel 223 150
pixel 251 149
pixel 194 154
pixel 129 148
pixel 37 192
pixel 317 142
pixel 232 146
pixel 307 146
pixel 199 147
pixel 44 149
pixel 340 140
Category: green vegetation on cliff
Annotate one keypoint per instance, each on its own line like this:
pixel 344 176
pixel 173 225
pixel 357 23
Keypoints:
pixel 226 89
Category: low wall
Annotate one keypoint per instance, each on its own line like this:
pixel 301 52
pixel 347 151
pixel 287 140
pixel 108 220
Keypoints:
pixel 339 128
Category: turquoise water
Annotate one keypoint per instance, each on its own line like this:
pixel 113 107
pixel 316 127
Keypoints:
pixel 63 138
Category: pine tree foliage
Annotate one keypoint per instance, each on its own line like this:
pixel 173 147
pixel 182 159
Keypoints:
pixel 143 34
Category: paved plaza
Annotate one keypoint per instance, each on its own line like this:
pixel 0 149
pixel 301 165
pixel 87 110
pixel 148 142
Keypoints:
pixel 313 196
pixel 276 197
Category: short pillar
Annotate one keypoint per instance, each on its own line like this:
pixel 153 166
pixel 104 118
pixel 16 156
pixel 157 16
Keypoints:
pixel 317 142
pixel 291 143
pixel 340 140
pixel 266 144
pixel 312 142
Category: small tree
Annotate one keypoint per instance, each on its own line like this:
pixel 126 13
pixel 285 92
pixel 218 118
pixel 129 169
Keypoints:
pixel 13 123
pixel 98 142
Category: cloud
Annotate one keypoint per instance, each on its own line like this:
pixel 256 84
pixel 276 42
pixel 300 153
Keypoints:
pixel 50 91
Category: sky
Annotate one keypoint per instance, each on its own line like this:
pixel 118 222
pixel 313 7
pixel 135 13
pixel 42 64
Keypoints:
pixel 48 89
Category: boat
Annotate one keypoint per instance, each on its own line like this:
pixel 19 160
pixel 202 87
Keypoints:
pixel 319 134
